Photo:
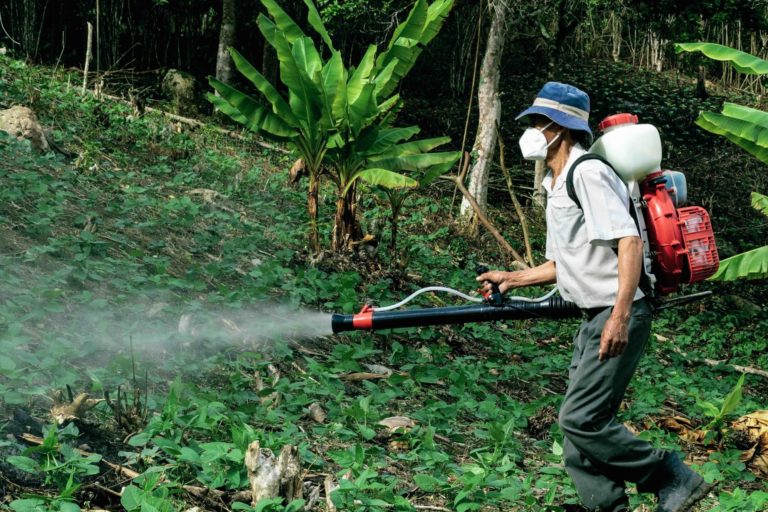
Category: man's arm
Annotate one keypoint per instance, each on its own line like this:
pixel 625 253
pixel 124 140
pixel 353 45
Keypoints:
pixel 614 339
pixel 542 274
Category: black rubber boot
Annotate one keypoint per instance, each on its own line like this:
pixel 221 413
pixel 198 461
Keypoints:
pixel 682 486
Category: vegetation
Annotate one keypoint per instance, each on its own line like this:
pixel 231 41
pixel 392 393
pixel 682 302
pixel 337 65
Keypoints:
pixel 745 127
pixel 339 121
pixel 162 310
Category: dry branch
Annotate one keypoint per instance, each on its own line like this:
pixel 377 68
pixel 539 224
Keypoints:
pixel 513 196
pixel 199 124
pixel 519 260
pixel 713 362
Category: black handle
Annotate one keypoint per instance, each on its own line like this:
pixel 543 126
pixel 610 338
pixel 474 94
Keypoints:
pixel 494 298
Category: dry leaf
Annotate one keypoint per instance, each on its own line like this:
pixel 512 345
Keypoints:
pixel 317 413
pixel 397 446
pixel 377 368
pixel 394 423
pixel 684 428
pixel 755 426
pixel 297 169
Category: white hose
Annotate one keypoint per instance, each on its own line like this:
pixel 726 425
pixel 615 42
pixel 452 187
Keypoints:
pixel 459 294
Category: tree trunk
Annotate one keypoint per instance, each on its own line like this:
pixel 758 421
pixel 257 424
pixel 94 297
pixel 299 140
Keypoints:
pixel 345 227
pixel 312 193
pixel 489 106
pixel 272 477
pixel 226 39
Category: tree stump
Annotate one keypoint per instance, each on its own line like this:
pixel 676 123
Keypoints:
pixel 272 477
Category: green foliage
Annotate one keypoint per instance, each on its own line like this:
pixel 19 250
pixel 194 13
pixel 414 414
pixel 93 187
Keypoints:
pixel 748 128
pixel 717 414
pixel 91 248
pixel 741 61
pixel 335 118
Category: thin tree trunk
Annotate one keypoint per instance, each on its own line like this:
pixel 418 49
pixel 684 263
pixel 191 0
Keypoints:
pixel 88 56
pixel 226 39
pixel 312 194
pixel 345 228
pixel 489 106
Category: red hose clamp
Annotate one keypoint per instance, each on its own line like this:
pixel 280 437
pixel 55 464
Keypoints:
pixel 364 319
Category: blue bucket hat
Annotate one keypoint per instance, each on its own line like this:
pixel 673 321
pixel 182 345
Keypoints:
pixel 564 104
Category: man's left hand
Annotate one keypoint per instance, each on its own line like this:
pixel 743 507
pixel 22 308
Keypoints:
pixel 613 341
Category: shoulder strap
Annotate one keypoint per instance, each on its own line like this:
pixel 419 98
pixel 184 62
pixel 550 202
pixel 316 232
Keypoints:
pixel 569 175
pixel 645 284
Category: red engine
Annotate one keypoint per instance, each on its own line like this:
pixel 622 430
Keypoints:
pixel 682 242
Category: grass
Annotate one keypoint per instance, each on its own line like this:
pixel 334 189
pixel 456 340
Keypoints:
pixel 105 258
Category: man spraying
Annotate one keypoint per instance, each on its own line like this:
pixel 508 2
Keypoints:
pixel 594 254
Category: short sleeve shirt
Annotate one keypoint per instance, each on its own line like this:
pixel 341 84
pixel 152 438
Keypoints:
pixel 581 241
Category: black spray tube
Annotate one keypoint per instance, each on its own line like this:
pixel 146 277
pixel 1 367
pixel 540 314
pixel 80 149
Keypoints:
pixel 369 319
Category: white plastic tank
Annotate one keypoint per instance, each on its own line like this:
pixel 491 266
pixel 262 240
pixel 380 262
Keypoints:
pixel 634 150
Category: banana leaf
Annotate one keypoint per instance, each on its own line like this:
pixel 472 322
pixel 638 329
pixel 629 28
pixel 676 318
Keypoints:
pixel 333 91
pixel 360 75
pixel 414 147
pixel 279 105
pixel 436 16
pixel 416 161
pixel 252 114
pixel 741 61
pixel 284 23
pixel 748 265
pixel 410 37
pixel 731 129
pixel 377 141
pixel 316 22
pixel 748 114
pixel 383 178
pixel 363 110
pixel 298 83
pixel 760 202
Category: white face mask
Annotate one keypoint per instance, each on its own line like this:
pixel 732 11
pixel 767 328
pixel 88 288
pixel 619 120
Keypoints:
pixel 533 143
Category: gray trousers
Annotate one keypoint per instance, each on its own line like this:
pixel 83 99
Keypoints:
pixel 600 453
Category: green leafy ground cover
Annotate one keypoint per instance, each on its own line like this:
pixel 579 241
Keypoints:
pixel 102 256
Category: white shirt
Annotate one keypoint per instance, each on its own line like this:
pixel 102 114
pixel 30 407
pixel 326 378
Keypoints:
pixel 581 241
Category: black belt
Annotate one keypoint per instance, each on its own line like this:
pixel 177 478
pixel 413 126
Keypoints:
pixel 591 313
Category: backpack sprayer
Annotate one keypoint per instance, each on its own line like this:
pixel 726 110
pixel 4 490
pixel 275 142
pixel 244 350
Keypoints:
pixel 678 242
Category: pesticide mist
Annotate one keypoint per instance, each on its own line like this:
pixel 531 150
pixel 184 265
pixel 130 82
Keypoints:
pixel 161 327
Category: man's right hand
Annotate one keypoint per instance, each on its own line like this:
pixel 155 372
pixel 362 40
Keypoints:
pixel 542 274
pixel 505 280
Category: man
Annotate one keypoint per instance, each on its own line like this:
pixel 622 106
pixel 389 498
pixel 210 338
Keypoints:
pixel 594 254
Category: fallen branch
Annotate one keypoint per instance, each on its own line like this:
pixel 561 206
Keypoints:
pixel 713 362
pixel 519 260
pixel 199 124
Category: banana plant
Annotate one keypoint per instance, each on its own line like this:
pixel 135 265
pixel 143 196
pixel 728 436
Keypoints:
pixel 397 196
pixel 328 106
pixel 377 155
pixel 748 128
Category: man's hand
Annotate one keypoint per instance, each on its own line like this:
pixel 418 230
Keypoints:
pixel 543 274
pixel 505 280
pixel 615 336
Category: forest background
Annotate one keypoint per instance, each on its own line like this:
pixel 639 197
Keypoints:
pixel 141 214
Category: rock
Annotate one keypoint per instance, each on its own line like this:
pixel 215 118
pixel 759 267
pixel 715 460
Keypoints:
pixel 181 88
pixel 21 122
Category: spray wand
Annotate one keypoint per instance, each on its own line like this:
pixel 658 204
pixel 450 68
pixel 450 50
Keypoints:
pixel 492 307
